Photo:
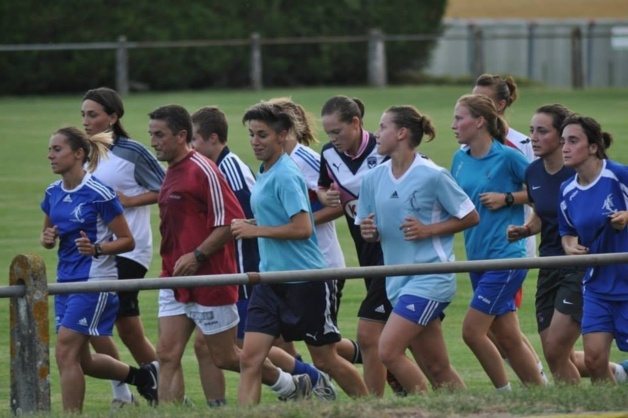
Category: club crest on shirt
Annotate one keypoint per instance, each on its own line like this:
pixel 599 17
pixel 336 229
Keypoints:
pixel 351 208
pixel 76 215
pixel 608 207
pixel 371 161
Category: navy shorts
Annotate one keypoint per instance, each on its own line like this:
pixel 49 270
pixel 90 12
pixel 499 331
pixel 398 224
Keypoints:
pixel 561 290
pixel 129 303
pixel 375 306
pixel 296 311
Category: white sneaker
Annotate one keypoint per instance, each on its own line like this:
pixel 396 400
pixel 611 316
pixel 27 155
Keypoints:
pixel 324 389
pixel 118 404
pixel 302 390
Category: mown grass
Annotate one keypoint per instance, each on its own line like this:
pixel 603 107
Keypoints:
pixel 26 125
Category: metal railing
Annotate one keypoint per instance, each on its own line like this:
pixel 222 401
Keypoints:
pixel 29 291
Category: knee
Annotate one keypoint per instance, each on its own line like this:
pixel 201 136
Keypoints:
pixel 249 360
pixel 555 354
pixel 595 361
pixel 200 348
pixel 387 355
pixel 168 353
pixel 470 337
pixel 368 340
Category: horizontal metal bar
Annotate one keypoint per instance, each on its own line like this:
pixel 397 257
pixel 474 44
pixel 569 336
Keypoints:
pixel 327 274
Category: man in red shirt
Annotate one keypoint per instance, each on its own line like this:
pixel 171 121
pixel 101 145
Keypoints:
pixel 196 207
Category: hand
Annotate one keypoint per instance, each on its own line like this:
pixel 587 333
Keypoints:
pixel 332 197
pixel 368 229
pixel 493 200
pixel 243 228
pixel 516 232
pixel 124 199
pixel 576 250
pixel 186 265
pixel 49 236
pixel 414 229
pixel 84 245
pixel 618 220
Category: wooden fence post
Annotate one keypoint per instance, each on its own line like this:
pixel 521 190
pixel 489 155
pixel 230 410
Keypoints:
pixel 377 76
pixel 256 62
pixel 122 67
pixel 30 338
pixel 477 57
pixel 577 73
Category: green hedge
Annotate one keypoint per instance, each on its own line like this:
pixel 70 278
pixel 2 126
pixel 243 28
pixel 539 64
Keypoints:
pixel 61 21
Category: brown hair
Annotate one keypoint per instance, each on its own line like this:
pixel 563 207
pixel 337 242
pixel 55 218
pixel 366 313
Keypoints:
pixel 480 105
pixel 94 147
pixel 111 103
pixel 304 122
pixel 409 117
pixel 211 120
pixel 594 133
pixel 346 107
pixel 557 112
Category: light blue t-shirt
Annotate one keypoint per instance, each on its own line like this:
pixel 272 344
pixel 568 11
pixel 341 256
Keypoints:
pixel 428 193
pixel 501 170
pixel 278 195
pixel 584 212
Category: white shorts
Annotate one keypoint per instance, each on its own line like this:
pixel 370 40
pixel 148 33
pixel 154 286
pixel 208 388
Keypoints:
pixel 209 319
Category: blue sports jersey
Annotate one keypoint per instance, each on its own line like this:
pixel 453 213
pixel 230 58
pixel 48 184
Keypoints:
pixel 584 213
pixel 543 191
pixel 278 195
pixel 89 207
pixel 428 193
pixel 501 170
pixel 241 181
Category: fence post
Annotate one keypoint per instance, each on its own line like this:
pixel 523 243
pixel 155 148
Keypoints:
pixel 477 58
pixel 577 73
pixel 531 49
pixel 256 62
pixel 122 67
pixel 30 338
pixel 377 76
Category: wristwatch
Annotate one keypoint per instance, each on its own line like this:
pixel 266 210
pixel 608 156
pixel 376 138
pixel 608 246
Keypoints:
pixel 97 250
pixel 509 199
pixel 200 257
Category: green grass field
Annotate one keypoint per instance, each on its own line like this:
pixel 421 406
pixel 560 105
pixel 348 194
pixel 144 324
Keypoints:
pixel 26 125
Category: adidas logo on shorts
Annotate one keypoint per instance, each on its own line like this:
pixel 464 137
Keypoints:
pixel 380 309
pixel 82 322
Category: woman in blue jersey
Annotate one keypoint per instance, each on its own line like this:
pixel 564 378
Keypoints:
pixel 485 165
pixel 592 220
pixel 349 155
pixel 284 227
pixel 134 173
pixel 85 217
pixel 413 208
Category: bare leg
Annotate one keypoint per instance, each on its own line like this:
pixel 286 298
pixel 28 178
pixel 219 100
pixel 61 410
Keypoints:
pixel 212 378
pixel 174 333
pixel 254 351
pixel 131 332
pixel 374 370
pixel 326 358
pixel 597 347
pixel 558 340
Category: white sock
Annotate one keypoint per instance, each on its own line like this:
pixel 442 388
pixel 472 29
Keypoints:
pixel 620 374
pixel 284 386
pixel 539 366
pixel 506 388
pixel 121 391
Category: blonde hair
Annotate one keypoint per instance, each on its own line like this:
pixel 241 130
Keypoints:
pixel 94 147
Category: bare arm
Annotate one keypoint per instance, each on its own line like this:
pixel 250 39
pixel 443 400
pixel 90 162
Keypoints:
pixel 124 239
pixel 187 264
pixel 148 198
pixel 415 229
pixel 49 234
pixel 299 227
pixel 572 246
pixel 531 226
pixel 327 214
